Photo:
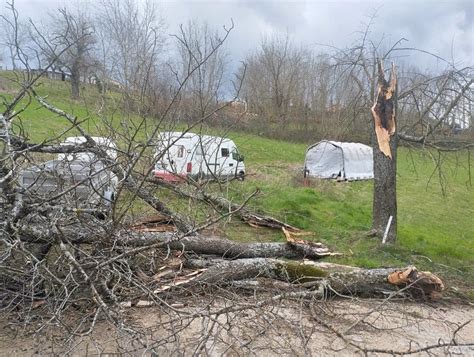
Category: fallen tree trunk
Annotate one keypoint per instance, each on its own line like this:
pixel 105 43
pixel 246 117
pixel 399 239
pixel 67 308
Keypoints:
pixel 244 213
pixel 198 244
pixel 238 262
pixel 329 279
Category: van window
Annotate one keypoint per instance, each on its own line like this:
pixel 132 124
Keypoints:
pixel 181 151
pixel 224 152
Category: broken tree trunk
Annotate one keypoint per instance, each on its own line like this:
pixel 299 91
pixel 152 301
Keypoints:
pixel 385 156
pixel 180 222
pixel 198 244
pixel 330 279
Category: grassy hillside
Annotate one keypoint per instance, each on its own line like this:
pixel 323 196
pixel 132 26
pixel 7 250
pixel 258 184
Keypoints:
pixel 436 230
pixel 436 212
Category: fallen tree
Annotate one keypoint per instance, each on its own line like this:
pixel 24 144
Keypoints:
pixel 197 243
pixel 324 278
pixel 216 261
pixel 248 216
pixel 294 279
pixel 61 265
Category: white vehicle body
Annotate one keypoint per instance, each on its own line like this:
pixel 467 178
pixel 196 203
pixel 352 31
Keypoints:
pixel 79 184
pixel 85 179
pixel 105 143
pixel 179 155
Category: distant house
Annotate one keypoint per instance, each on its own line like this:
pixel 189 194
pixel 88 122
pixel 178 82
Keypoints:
pixel 53 74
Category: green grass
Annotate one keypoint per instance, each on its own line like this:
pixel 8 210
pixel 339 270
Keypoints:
pixel 435 212
pixel 435 230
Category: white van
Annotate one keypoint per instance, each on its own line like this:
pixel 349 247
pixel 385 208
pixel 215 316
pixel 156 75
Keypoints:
pixel 180 155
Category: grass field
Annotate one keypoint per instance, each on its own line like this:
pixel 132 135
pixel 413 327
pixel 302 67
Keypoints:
pixel 436 212
pixel 435 230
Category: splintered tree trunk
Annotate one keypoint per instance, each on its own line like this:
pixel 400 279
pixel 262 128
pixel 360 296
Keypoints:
pixel 385 155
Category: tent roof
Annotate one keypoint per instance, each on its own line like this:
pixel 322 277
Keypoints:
pixel 354 163
pixel 346 147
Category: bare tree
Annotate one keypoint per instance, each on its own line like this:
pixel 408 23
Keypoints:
pixel 73 32
pixel 275 77
pixel 421 103
pixel 204 90
pixel 131 42
pixel 14 33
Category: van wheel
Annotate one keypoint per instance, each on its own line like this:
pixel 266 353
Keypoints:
pixel 241 176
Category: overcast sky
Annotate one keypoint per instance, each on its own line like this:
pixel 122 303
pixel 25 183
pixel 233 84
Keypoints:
pixel 442 27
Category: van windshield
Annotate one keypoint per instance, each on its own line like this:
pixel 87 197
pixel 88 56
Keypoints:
pixel 236 156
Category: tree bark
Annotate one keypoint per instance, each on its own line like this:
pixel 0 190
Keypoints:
pixel 198 244
pixel 385 156
pixel 329 278
pixel 75 85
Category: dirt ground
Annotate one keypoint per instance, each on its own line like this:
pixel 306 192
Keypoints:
pixel 334 328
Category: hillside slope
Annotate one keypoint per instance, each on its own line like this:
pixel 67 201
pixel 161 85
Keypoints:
pixel 436 215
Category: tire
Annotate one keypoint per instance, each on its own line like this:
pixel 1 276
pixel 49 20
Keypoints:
pixel 241 176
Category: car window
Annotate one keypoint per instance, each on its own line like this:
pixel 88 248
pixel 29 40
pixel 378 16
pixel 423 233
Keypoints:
pixel 181 151
pixel 224 152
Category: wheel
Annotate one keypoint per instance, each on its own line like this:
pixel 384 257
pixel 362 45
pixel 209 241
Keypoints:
pixel 241 176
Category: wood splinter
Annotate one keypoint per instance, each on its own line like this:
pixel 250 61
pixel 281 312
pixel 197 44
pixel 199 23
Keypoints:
pixel 383 109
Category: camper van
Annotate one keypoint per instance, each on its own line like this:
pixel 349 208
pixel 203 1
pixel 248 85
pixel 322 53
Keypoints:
pixel 180 155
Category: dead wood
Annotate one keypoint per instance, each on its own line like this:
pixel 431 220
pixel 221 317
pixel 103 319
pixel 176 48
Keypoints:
pixel 244 213
pixel 330 279
pixel 384 111
pixel 198 244
pixel 155 223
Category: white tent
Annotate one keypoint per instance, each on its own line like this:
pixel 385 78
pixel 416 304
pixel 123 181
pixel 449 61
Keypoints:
pixel 332 159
